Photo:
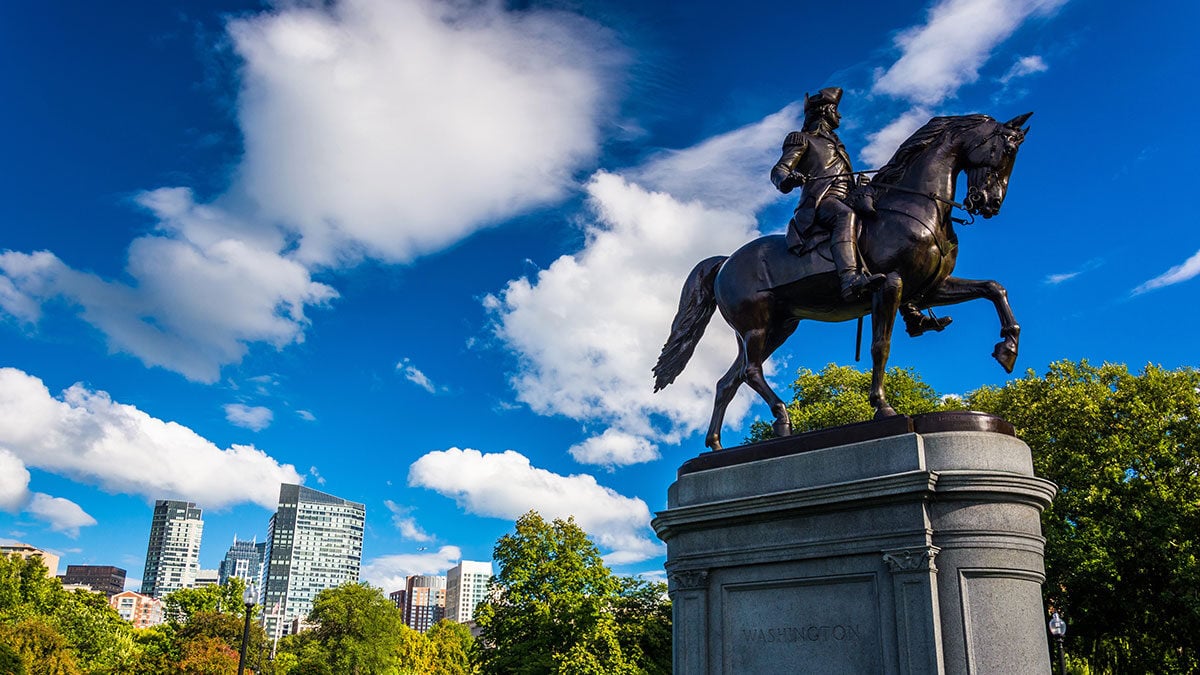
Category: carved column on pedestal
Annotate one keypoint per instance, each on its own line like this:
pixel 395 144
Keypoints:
pixel 689 609
pixel 918 622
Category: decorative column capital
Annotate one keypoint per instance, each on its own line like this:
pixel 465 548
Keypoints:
pixel 911 559
pixel 688 580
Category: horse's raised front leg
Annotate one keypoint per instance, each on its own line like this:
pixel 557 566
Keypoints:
pixel 884 304
pixel 954 290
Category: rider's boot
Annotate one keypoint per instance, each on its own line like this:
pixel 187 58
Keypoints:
pixel 854 283
pixel 916 323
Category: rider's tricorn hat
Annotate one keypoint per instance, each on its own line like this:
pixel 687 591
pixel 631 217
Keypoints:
pixel 827 96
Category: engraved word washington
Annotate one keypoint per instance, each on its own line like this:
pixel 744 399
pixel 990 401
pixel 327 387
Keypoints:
pixel 802 634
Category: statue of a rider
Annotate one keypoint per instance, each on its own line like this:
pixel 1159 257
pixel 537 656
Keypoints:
pixel 816 160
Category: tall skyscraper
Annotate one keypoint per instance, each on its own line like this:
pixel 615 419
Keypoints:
pixel 314 542
pixel 173 555
pixel 466 586
pixel 425 601
pixel 243 560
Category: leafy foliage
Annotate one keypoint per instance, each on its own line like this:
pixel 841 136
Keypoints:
pixel 358 627
pixel 43 650
pixel 841 395
pixel 556 608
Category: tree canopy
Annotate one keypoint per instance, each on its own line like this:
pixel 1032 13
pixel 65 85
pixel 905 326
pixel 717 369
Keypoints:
pixel 556 608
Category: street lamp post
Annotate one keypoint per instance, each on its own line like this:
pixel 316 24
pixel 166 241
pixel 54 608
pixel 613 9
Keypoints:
pixel 1058 628
pixel 249 597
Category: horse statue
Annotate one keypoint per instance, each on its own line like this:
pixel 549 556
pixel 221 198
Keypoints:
pixel 763 290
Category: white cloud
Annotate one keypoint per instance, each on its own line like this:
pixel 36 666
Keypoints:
pixel 393 129
pixel 729 171
pixel 614 448
pixel 404 521
pixel 389 572
pixel 505 485
pixel 947 51
pixel 254 418
pixel 14 482
pixel 1054 279
pixel 1176 275
pixel 1026 65
pixel 306 416
pixel 312 471
pixel 589 328
pixel 882 144
pixel 86 436
pixel 197 300
pixel 414 375
pixel 377 128
pixel 63 515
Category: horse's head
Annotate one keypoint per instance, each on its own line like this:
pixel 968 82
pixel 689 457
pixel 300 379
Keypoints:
pixel 990 150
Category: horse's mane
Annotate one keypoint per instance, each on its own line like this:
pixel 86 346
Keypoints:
pixel 924 137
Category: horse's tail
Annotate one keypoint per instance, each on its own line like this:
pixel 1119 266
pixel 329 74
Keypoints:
pixel 696 306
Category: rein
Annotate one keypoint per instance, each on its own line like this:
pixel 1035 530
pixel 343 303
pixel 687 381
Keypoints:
pixel 927 195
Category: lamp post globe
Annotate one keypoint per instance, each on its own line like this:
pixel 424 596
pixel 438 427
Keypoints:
pixel 249 598
pixel 1058 628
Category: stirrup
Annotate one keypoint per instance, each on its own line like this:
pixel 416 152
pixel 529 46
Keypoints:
pixel 856 284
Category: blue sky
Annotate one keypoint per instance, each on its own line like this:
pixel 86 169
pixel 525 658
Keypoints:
pixel 423 254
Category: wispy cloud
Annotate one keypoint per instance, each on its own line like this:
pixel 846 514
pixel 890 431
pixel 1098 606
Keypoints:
pixel 414 375
pixel 947 51
pixel 1177 274
pixel 306 416
pixel 254 418
pixel 404 521
pixel 1054 279
pixel 312 471
pixel 1025 65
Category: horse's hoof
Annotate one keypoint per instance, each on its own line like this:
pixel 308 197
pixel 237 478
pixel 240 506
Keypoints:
pixel 782 428
pixel 884 412
pixel 1006 355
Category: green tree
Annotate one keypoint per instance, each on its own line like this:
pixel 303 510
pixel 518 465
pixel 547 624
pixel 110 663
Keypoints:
pixel 643 614
pixel 841 395
pixel 358 627
pixel 551 610
pixel 415 652
pixel 207 656
pixel 10 661
pixel 180 605
pixel 43 650
pixel 452 645
pixel 1123 533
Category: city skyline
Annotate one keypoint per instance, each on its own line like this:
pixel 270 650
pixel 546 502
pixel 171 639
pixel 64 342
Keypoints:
pixel 423 254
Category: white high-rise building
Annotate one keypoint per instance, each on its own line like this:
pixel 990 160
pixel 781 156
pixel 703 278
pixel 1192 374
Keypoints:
pixel 314 542
pixel 173 554
pixel 466 586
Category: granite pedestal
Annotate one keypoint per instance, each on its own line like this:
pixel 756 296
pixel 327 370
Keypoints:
pixel 909 545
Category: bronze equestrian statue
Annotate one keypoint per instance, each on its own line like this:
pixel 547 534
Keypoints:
pixel 763 290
